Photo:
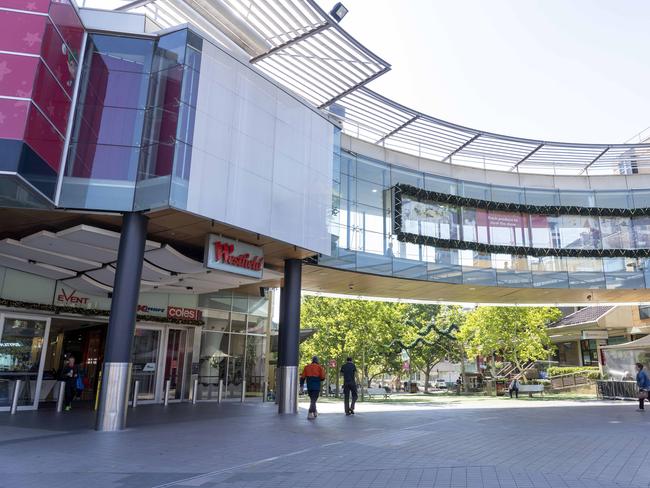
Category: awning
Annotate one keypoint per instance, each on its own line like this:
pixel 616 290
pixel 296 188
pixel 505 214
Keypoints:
pixel 643 343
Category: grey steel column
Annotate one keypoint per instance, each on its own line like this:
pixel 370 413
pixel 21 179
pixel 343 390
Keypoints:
pixel 289 337
pixel 114 394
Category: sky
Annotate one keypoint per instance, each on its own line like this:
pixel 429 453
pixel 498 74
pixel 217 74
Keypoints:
pixel 556 70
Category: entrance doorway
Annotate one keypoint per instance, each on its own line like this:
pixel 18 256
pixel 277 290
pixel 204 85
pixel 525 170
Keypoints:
pixel 178 360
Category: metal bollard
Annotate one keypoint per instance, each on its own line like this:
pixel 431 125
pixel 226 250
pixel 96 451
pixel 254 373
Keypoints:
pixel 243 391
pixel 220 392
pixel 136 391
pixel 14 402
pixel 168 385
pixel 265 391
pixel 195 392
pixel 59 400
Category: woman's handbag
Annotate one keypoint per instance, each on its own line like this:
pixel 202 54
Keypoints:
pixel 80 383
pixel 643 394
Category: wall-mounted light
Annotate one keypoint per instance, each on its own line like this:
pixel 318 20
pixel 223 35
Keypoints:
pixel 338 12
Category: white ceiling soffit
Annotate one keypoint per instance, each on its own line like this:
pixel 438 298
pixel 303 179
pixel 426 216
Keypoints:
pixel 44 270
pixel 48 241
pixel 168 258
pixel 85 284
pixel 18 249
pixel 96 237
pixel 150 273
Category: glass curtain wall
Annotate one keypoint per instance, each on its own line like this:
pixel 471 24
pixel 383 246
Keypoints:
pixel 362 239
pixel 234 345
pixel 130 143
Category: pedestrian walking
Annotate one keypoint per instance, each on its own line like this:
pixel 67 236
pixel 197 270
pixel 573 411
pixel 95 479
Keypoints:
pixel 643 382
pixel 349 372
pixel 514 386
pixel 70 375
pixel 313 374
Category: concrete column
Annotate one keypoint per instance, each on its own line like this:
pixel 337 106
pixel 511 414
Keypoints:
pixel 114 394
pixel 289 337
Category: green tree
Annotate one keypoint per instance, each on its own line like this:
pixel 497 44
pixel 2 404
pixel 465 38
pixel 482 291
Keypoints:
pixel 519 334
pixel 431 345
pixel 358 328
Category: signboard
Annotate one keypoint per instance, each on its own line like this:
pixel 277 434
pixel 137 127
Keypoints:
pixel 233 256
pixel 332 363
pixel 183 313
pixel 406 366
pixel 594 334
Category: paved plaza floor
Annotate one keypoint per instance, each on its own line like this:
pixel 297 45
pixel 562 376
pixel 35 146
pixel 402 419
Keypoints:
pixel 472 444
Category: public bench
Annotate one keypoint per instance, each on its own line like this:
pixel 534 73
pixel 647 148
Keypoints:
pixel 530 389
pixel 380 392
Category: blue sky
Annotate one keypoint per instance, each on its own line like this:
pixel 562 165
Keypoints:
pixel 567 70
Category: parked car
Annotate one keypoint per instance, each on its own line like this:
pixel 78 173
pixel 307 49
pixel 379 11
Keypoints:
pixel 441 384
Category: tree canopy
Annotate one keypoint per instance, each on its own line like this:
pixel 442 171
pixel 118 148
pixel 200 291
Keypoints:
pixel 518 334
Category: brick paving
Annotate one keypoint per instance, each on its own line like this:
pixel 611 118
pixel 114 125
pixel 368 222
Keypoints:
pixel 535 445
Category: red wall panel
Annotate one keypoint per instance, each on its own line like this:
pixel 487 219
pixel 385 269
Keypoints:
pixel 21 33
pixel 13 116
pixel 17 75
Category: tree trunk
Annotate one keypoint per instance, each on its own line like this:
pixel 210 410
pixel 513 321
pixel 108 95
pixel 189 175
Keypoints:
pixel 427 374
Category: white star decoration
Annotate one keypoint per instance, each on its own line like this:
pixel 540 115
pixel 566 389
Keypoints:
pixel 2 118
pixel 31 38
pixel 4 70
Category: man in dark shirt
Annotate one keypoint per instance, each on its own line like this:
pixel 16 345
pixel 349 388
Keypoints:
pixel 349 370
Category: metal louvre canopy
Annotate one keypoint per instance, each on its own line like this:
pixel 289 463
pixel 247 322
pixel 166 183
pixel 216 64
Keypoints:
pixel 370 116
pixel 299 45
pixel 293 41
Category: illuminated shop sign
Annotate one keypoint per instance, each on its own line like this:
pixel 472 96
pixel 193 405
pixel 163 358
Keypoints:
pixel 233 256
pixel 183 313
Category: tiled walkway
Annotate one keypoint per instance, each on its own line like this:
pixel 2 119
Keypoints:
pixel 233 445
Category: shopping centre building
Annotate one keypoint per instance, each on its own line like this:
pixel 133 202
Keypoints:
pixel 166 164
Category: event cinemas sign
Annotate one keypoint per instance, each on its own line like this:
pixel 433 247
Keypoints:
pixel 233 256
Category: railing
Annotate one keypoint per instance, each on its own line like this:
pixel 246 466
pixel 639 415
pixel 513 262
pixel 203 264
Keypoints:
pixel 570 380
pixel 617 390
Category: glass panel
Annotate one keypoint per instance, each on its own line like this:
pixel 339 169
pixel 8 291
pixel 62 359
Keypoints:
pixel 542 197
pixel 616 232
pixel 508 195
pixel 256 324
pixel 212 363
pixel 374 172
pixel 507 228
pixel 440 184
pixel 144 359
pixel 613 199
pixel 236 365
pixel 641 230
pixel 579 232
pixel 255 362
pixel 238 323
pixel 475 190
pixel 577 198
pixel 21 344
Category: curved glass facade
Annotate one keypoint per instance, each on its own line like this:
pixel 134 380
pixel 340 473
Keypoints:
pixel 364 236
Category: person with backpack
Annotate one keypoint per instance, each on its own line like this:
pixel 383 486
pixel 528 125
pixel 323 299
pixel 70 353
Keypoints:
pixel 643 382
pixel 349 371
pixel 313 374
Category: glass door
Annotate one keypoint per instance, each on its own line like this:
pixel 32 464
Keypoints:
pixel 22 345
pixel 177 363
pixel 144 359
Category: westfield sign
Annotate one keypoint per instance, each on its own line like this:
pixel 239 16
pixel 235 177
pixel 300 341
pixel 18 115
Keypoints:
pixel 233 256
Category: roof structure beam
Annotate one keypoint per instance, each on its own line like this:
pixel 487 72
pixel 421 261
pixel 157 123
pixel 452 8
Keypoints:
pixel 353 88
pixel 527 156
pixel 397 129
pixel 285 45
pixel 584 170
pixel 461 147
pixel 134 4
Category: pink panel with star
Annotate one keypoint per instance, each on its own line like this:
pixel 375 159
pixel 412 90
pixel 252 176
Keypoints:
pixel 41 6
pixel 51 99
pixel 17 75
pixel 43 139
pixel 21 32
pixel 13 116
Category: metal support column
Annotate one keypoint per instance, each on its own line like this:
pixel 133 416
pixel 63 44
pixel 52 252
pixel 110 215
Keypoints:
pixel 114 395
pixel 289 337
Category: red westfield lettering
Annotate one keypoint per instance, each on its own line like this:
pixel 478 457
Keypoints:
pixel 71 298
pixel 223 252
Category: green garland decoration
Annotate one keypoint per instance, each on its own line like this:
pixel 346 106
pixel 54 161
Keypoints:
pixel 398 344
pixel 56 309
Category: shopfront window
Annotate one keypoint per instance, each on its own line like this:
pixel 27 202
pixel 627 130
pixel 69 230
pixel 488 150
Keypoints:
pixel 21 348
pixel 589 350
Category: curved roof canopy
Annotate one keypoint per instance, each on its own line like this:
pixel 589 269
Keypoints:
pixel 302 47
